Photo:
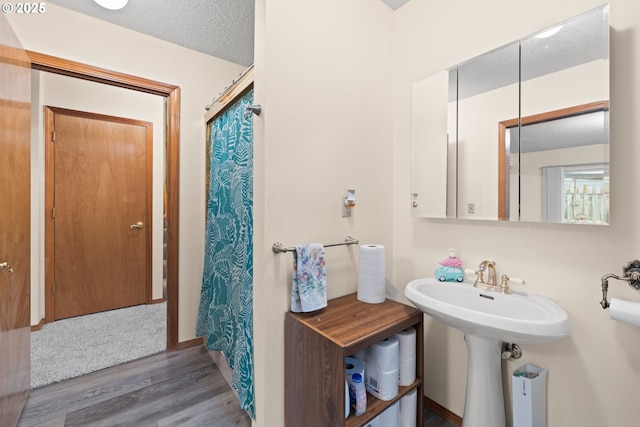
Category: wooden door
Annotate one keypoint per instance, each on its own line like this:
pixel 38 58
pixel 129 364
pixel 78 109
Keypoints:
pixel 99 178
pixel 15 188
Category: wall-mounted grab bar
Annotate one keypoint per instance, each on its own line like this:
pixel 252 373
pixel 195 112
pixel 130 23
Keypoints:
pixel 280 248
pixel 631 274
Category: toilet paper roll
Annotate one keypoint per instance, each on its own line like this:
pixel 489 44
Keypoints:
pixel 407 372
pixel 354 366
pixel 407 343
pixel 371 274
pixel 407 356
pixel 390 417
pixel 373 422
pixel 385 354
pixel 409 409
pixel 383 385
pixel 625 311
pixel 362 356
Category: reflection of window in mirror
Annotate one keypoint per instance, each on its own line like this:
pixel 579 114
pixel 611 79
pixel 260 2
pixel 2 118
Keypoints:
pixel 546 140
pixel 576 194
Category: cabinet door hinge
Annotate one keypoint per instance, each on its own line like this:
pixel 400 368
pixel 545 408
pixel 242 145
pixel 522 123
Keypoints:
pixel 53 213
pixel 53 136
pixel 54 288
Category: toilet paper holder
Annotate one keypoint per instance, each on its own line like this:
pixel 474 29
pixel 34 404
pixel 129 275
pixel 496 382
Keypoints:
pixel 631 274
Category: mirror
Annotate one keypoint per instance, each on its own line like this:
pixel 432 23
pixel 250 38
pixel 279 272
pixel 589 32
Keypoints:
pixel 526 136
pixel 430 102
pixel 487 93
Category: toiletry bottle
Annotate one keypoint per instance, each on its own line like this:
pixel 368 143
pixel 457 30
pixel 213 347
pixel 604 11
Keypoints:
pixel 358 395
pixel 347 400
pixel 450 269
pixel 452 260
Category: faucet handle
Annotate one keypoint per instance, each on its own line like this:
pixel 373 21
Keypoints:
pixel 504 284
pixel 516 280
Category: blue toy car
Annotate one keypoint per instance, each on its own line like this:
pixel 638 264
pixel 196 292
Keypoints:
pixel 450 274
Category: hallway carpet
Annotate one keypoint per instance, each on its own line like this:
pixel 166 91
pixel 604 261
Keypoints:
pixel 76 346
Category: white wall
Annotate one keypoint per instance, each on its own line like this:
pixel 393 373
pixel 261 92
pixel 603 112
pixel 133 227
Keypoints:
pixel 76 37
pixel 323 77
pixel 592 374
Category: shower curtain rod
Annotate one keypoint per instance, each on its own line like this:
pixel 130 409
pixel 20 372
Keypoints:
pixel 279 248
pixel 229 88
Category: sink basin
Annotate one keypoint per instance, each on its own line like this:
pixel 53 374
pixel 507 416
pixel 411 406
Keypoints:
pixel 488 318
pixel 519 317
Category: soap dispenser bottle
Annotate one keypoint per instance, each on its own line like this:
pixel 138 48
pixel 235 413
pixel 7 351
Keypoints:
pixel 452 260
pixel 451 269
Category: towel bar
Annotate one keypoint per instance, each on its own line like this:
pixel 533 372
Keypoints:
pixel 280 248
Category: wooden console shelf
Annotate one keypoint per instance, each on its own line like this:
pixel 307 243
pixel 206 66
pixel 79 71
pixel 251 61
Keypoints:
pixel 316 346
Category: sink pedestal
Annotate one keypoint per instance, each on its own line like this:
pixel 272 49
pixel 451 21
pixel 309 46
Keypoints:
pixel 487 319
pixel 484 401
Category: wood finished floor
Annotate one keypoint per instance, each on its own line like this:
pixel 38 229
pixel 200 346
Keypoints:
pixel 432 419
pixel 181 388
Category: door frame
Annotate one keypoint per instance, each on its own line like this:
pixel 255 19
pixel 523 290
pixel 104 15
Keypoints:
pixel 171 93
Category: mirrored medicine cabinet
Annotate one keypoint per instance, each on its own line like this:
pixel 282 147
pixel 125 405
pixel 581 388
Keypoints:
pixel 520 133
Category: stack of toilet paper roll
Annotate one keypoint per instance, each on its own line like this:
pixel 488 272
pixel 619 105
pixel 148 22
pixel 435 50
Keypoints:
pixel 389 418
pixel 371 274
pixel 403 413
pixel 381 373
pixel 407 356
pixel 385 366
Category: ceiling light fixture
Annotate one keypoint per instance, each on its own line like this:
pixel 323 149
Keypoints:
pixel 112 4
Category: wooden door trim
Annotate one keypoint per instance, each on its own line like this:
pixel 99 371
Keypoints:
pixel 82 71
pixel 503 170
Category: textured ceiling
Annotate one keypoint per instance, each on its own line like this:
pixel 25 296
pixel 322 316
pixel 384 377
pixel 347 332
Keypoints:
pixel 221 28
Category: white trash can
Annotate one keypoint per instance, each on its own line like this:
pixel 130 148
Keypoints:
pixel 529 392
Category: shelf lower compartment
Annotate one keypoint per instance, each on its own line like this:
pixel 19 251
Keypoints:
pixel 376 406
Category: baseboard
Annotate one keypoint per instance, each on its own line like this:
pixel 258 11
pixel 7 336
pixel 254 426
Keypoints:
pixel 221 362
pixel 191 343
pixel 157 301
pixel 443 412
pixel 38 326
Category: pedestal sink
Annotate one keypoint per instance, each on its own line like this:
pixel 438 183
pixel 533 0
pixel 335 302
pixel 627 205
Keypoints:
pixel 488 318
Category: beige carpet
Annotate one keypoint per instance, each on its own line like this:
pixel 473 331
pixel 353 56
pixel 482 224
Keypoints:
pixel 72 347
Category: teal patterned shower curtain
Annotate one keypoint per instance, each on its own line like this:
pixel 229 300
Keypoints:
pixel 225 314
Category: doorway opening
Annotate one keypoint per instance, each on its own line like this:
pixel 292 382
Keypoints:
pixel 171 95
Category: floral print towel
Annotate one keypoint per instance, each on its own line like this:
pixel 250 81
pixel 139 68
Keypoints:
pixel 309 288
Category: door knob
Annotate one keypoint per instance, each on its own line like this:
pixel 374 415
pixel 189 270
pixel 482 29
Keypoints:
pixel 5 266
pixel 138 224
